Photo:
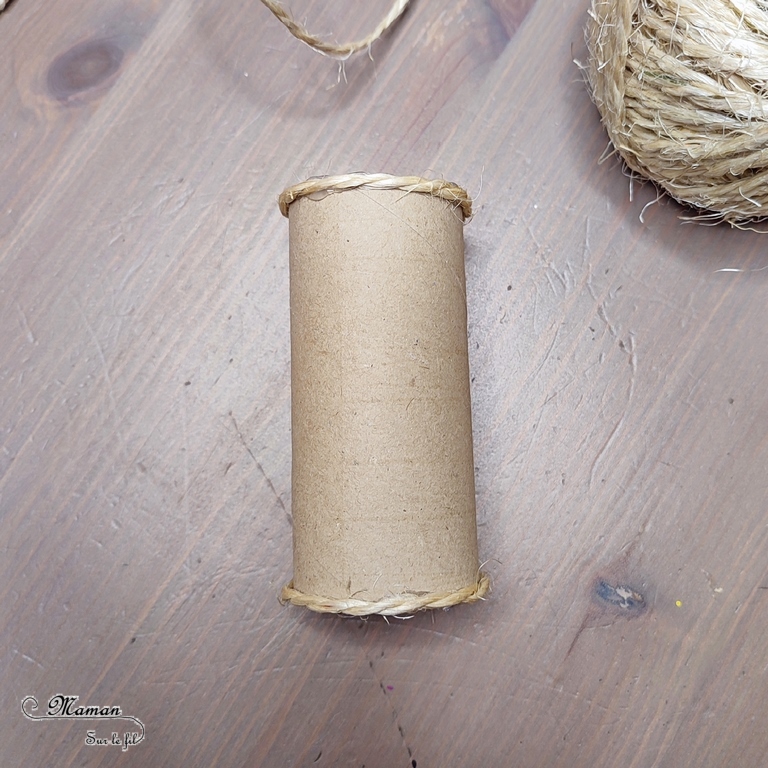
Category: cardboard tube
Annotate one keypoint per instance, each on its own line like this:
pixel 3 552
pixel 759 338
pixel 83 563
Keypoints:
pixel 383 473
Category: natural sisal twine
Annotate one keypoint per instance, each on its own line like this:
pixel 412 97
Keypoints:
pixel 395 605
pixel 336 50
pixel 326 185
pixel 682 87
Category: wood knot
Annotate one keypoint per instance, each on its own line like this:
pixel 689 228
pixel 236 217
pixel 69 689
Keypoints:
pixel 83 67
pixel 620 595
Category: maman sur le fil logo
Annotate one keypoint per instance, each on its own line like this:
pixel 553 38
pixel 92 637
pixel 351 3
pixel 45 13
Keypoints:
pixel 123 734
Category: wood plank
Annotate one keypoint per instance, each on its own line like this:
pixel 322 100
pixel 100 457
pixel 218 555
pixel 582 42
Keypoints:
pixel 619 412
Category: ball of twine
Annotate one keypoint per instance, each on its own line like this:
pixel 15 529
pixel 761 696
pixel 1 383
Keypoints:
pixel 682 87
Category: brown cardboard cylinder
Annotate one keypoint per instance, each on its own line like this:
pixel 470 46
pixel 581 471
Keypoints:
pixel 383 473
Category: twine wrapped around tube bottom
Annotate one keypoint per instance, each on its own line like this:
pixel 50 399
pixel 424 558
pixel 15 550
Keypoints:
pixel 395 605
pixel 682 88
pixel 383 496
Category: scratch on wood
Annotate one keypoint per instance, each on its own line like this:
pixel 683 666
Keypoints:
pixel 395 716
pixel 102 357
pixel 266 477
pixel 629 348
pixel 544 359
pixel 25 325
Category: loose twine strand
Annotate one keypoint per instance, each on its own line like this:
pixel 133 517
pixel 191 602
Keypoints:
pixel 325 185
pixel 682 88
pixel 345 50
pixel 395 605
pixel 335 50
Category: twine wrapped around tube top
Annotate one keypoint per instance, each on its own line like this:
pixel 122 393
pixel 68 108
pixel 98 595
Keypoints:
pixel 322 185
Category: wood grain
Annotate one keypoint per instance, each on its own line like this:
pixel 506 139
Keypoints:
pixel 619 407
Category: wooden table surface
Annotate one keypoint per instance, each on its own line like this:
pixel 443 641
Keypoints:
pixel 618 358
